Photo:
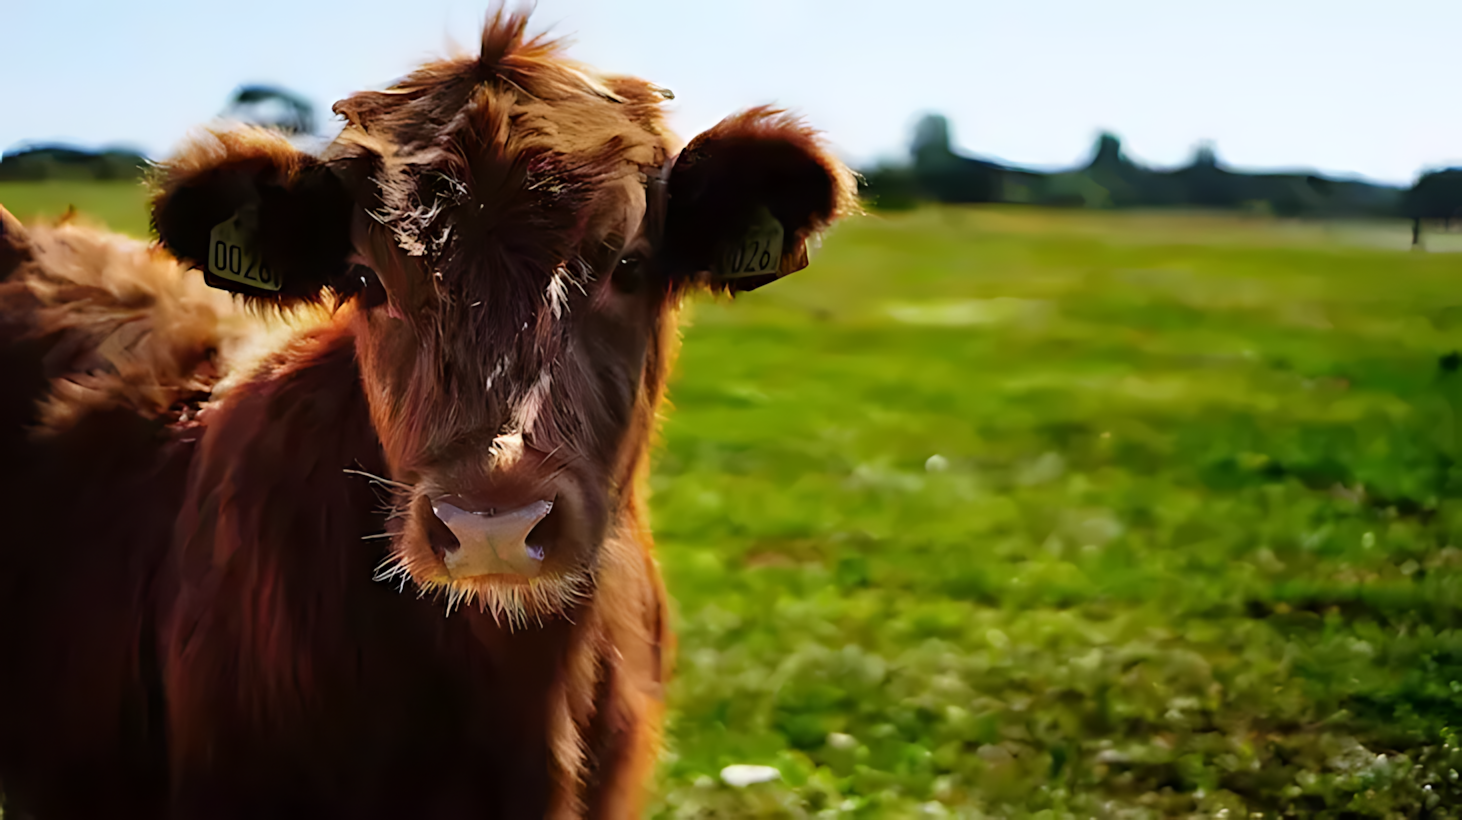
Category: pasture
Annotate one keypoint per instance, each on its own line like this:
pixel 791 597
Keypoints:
pixel 994 512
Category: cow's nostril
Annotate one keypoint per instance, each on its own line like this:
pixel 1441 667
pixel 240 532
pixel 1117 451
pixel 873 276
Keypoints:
pixel 439 537
pixel 545 534
pixel 493 542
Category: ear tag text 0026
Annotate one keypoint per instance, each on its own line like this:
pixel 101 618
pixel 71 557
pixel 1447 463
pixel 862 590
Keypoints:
pixel 758 253
pixel 233 256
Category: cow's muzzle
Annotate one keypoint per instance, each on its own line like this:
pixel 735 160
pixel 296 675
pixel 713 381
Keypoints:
pixel 493 541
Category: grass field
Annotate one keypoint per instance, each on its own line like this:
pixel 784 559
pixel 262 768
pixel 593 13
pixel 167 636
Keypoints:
pixel 120 205
pixel 1021 513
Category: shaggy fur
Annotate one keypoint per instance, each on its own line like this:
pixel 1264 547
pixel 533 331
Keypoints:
pixel 225 594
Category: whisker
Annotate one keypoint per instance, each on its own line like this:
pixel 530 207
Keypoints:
pixel 378 479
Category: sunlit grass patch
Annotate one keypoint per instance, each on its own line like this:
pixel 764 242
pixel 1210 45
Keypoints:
pixel 118 205
pixel 1187 546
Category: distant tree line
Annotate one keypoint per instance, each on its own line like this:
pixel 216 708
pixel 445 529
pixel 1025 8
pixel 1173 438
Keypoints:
pixel 267 106
pixel 935 172
pixel 65 162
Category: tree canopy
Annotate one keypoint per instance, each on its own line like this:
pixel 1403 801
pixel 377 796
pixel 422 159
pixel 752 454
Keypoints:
pixel 272 107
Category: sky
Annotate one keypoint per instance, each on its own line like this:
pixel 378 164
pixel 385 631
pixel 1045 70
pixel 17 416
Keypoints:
pixel 1355 88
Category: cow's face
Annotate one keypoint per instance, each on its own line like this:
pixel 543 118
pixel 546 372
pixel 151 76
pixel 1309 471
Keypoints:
pixel 508 235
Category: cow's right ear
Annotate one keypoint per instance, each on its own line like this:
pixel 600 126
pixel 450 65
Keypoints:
pixel 258 216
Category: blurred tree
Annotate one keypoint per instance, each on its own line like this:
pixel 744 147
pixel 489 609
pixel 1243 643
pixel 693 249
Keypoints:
pixel 1126 184
pixel 272 107
pixel 1206 184
pixel 945 175
pixel 1435 196
pixel 1108 152
pixel 932 146
pixel 890 187
pixel 1205 156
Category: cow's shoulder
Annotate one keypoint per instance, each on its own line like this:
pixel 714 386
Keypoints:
pixel 270 535
pixel 276 467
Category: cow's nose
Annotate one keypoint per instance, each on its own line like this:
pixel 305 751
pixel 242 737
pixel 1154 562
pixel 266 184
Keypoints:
pixel 492 542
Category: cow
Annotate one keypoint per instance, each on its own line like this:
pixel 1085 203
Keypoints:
pixel 354 523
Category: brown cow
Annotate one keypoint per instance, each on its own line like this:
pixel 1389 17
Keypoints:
pixel 376 547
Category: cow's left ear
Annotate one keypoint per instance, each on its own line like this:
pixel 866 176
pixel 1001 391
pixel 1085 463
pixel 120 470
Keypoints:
pixel 746 196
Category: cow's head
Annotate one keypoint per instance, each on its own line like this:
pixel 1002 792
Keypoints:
pixel 508 236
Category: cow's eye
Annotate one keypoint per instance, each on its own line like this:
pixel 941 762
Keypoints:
pixel 629 273
pixel 372 292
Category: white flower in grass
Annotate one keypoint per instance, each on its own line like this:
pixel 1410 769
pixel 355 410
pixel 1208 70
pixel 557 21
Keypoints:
pixel 741 775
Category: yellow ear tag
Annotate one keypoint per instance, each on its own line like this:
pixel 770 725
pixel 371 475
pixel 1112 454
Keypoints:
pixel 232 256
pixel 758 253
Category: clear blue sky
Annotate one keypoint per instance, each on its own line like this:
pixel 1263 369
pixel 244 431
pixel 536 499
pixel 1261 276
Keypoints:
pixel 1363 87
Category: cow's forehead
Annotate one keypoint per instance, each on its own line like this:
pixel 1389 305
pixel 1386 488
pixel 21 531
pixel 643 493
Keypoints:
pixel 551 104
pixel 496 164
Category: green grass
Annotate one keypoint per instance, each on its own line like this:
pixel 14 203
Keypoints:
pixel 118 205
pixel 1192 544
pixel 1195 545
